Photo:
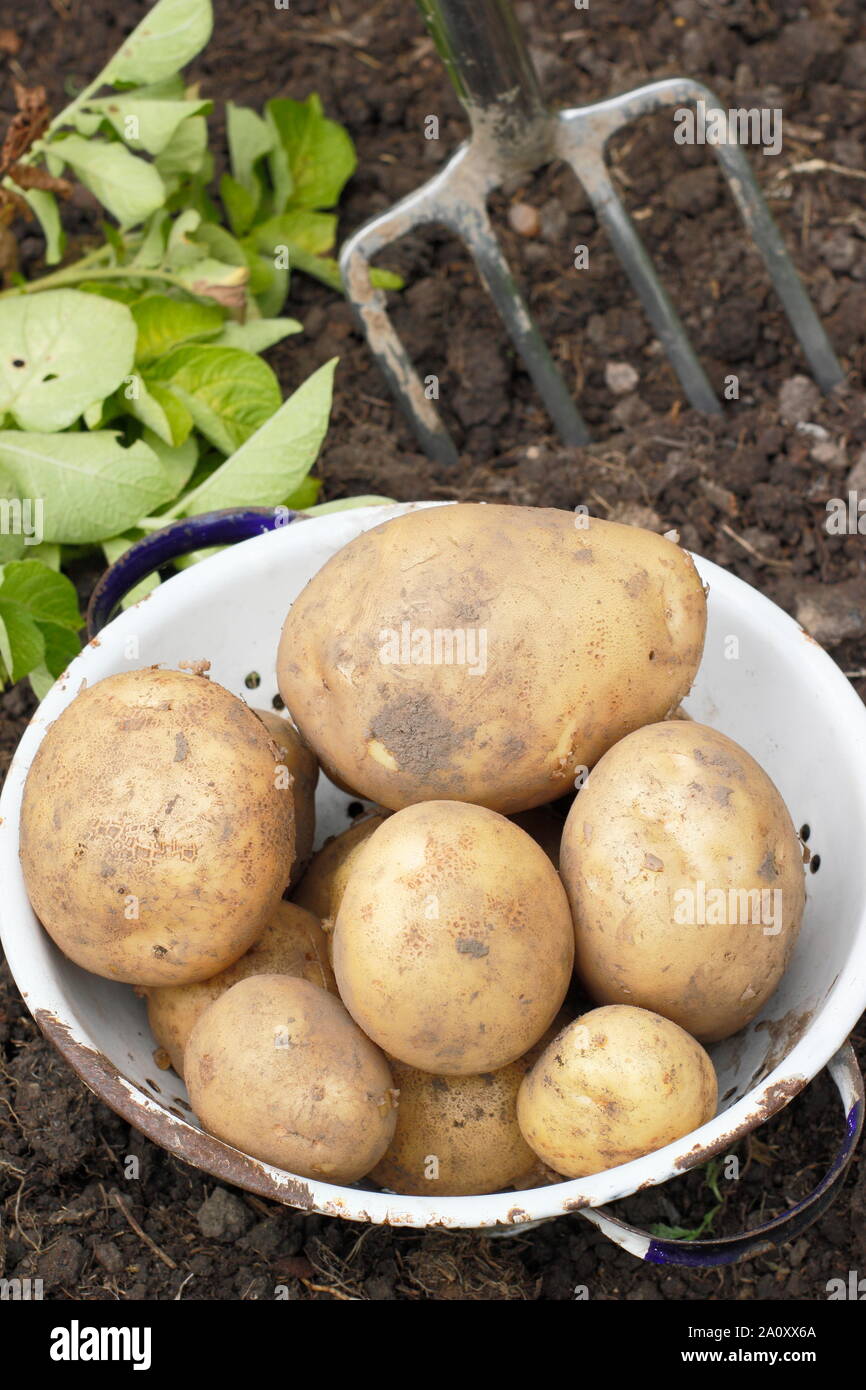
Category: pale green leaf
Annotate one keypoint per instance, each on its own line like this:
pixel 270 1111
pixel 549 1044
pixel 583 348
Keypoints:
pixel 22 645
pixel 41 680
pixel 152 247
pixel 257 335
pixel 61 351
pixel 144 123
pixel 240 205
pixel 273 462
pixel 249 139
pixel 305 495
pixel 320 152
pixel 163 323
pixel 159 410
pixel 314 232
pixel 186 150
pixel 168 37
pixel 129 187
pixel 46 595
pixel 177 460
pixel 228 392
pixel 92 487
pixel 47 554
pixel 44 205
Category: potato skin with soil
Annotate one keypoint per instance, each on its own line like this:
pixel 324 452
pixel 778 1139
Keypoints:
pixel 304 768
pixel 154 792
pixel 292 943
pixel 321 889
pixel 467 1123
pixel 453 945
pixel 591 631
pixel 671 807
pixel 277 1068
pixel 617 1083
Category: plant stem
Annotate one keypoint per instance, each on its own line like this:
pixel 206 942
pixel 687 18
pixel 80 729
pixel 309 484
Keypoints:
pixel 74 274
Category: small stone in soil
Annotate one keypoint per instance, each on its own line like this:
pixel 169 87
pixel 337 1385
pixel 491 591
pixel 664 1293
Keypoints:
pixel 799 399
pixel 833 613
pixel 524 219
pixel 223 1216
pixel 620 377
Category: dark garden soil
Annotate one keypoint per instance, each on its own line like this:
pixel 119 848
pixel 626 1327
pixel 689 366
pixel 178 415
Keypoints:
pixel 747 489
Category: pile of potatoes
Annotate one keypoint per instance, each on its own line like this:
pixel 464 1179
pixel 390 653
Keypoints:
pixel 506 973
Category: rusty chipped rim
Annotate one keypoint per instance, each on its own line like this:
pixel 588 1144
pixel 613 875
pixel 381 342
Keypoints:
pixel 42 973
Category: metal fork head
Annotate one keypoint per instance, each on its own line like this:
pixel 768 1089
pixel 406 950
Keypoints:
pixel 513 133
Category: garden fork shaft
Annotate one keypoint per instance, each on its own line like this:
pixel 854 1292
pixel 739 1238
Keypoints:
pixel 514 133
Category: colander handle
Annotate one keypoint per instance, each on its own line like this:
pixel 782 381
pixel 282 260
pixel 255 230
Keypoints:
pixel 170 543
pixel 707 1254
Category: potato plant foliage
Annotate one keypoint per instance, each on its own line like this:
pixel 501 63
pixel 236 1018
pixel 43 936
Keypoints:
pixel 132 391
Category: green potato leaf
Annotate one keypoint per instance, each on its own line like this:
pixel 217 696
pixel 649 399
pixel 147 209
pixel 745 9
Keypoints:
pixel 228 392
pixel 61 351
pixel 144 123
pixel 257 335
pixel 250 138
pixel 129 187
pixel 164 323
pixel 92 487
pixel 319 152
pixel 275 460
pixel 168 37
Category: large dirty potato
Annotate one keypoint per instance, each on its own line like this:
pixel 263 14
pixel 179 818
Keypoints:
pixel 453 945
pixel 486 653
pixel 617 1083
pixel 685 877
pixel 455 1135
pixel 277 1068
pixel 304 769
pixel 155 838
pixel 292 943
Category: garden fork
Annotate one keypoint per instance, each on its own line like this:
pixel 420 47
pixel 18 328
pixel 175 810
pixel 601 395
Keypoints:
pixel 514 133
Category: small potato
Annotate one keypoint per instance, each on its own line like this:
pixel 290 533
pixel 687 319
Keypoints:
pixel 685 878
pixel 276 1067
pixel 616 1084
pixel 456 1135
pixel 155 839
pixel 292 943
pixel 302 764
pixel 321 889
pixel 488 653
pixel 453 944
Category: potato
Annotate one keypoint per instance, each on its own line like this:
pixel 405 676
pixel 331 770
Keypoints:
pixel 321 889
pixel 292 943
pixel 456 1135
pixel 302 764
pixel 616 1084
pixel 486 653
pixel 685 878
pixel 276 1067
pixel 156 839
pixel 453 945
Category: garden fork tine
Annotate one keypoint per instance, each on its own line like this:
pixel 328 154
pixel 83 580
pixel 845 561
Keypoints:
pixel 513 133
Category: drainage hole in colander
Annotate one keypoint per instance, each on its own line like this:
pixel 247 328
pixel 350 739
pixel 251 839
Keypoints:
pixel 354 809
pixel 278 702
pixel 253 680
pixel 805 832
pixel 814 863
